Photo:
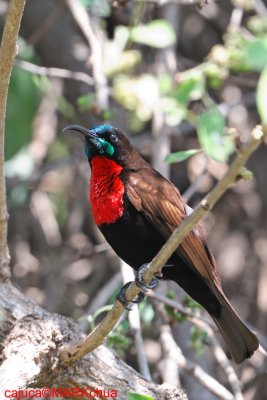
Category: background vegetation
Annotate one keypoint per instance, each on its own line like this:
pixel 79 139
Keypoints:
pixel 187 83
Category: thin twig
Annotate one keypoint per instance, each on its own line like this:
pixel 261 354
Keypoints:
pixel 83 20
pixel 168 365
pixel 226 366
pixel 260 7
pixel 186 311
pixel 135 324
pixel 7 54
pixel 192 189
pixel 54 72
pixel 236 18
pixel 192 368
pixel 47 23
pixel 98 335
pixel 218 352
pixel 222 359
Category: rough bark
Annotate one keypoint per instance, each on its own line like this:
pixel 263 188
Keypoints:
pixel 30 340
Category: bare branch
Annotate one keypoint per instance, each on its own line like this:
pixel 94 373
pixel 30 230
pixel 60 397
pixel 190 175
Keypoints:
pixel 218 352
pixel 186 311
pixel 226 366
pixel 192 368
pixel 98 335
pixel 135 324
pixel 7 54
pixel 83 20
pixel 54 72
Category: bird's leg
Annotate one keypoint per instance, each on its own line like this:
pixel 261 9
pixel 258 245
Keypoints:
pixel 121 297
pixel 139 280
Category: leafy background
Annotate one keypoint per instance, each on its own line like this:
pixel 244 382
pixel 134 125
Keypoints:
pixel 187 84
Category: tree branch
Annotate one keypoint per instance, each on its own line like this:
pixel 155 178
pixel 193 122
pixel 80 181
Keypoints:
pixel 8 51
pixel 54 72
pixel 30 341
pixel 218 352
pixel 84 22
pixel 98 335
pixel 192 368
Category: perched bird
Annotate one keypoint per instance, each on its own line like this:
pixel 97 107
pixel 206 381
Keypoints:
pixel 137 209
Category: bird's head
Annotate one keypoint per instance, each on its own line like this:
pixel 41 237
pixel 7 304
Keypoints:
pixel 104 140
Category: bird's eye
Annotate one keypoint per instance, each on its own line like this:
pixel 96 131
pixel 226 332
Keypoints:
pixel 113 137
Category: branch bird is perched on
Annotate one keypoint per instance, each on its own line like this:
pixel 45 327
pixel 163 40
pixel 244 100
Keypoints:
pixel 137 209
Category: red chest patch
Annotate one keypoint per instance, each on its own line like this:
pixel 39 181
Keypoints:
pixel 106 191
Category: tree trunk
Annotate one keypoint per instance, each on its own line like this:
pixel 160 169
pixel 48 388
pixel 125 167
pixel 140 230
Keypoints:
pixel 30 340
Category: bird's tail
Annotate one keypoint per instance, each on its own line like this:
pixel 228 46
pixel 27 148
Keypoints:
pixel 239 339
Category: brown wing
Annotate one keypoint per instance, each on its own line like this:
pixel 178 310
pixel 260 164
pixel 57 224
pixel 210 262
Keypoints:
pixel 162 204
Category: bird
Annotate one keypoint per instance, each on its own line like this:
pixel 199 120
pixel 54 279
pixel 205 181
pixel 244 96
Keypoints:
pixel 137 209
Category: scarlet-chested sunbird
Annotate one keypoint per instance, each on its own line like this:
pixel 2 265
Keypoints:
pixel 137 209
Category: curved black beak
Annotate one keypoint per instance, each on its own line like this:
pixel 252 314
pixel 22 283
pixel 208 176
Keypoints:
pixel 84 131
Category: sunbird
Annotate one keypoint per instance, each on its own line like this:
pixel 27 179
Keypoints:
pixel 137 210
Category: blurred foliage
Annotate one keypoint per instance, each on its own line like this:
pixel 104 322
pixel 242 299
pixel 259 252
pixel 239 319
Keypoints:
pixel 212 136
pixel 173 313
pixel 180 155
pixel 158 33
pixel 22 104
pixel 262 95
pixel 137 396
pixel 141 93
pixel 146 312
pixel 23 99
pixel 100 8
pixel 66 277
pixel 118 339
pixel 92 318
pixel 198 340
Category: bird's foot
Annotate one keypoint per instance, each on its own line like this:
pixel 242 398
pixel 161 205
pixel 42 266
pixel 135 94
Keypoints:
pixel 122 299
pixel 139 280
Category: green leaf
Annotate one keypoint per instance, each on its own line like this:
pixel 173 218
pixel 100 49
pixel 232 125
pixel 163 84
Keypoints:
pixel 246 174
pixel 125 62
pixel 256 54
pixel 118 339
pixel 215 142
pixel 165 83
pixel 192 88
pixel 158 33
pixel 100 8
pixel 257 24
pixel 180 156
pixel 137 396
pixel 191 303
pixel 85 101
pixel 139 94
pixel 174 111
pixel 198 339
pixel 261 96
pixel 146 313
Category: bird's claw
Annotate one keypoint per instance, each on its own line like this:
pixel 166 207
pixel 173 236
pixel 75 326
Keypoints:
pixel 122 299
pixel 139 280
